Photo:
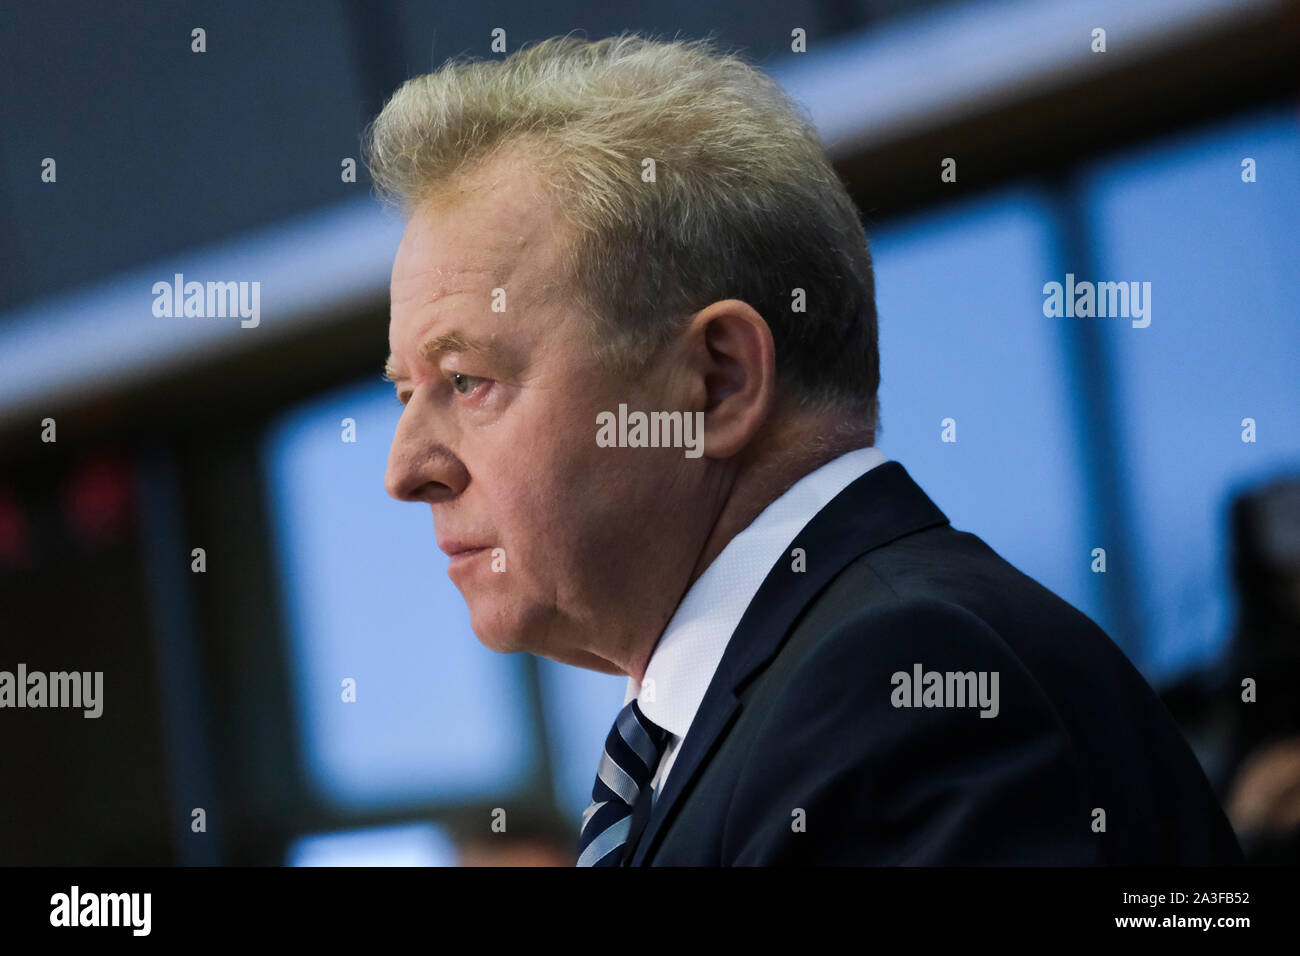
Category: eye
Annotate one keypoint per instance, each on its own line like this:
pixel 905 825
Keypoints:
pixel 462 383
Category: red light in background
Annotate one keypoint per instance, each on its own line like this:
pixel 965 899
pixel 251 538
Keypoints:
pixel 14 539
pixel 97 499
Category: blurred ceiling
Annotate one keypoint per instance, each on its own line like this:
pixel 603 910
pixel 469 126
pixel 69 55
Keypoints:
pixel 228 162
pixel 159 148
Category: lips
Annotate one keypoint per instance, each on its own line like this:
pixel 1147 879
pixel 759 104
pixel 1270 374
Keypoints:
pixel 453 548
pixel 467 553
pixel 461 555
pixel 460 562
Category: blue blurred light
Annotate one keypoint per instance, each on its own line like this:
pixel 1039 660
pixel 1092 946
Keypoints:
pixel 410 844
pixel 438 716
pixel 962 336
pixel 1223 258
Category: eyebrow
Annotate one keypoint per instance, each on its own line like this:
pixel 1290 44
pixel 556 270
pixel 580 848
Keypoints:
pixel 454 341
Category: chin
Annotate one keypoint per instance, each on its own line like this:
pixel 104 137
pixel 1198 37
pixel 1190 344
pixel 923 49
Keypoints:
pixel 496 628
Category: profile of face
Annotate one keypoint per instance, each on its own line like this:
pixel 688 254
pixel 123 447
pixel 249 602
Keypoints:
pixel 559 546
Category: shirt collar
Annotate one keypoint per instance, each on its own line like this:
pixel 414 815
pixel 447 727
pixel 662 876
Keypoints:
pixel 691 647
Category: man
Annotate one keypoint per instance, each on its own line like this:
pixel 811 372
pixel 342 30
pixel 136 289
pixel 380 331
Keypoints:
pixel 634 332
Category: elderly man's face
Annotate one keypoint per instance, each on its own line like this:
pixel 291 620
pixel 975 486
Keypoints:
pixel 498 437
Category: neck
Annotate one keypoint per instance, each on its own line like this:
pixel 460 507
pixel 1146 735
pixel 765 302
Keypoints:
pixel 773 463
pixel 764 480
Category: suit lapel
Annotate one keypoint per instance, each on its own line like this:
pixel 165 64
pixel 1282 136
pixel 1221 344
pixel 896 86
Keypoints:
pixel 879 507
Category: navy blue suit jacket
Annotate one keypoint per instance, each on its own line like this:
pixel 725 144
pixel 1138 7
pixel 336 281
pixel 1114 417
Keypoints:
pixel 801 752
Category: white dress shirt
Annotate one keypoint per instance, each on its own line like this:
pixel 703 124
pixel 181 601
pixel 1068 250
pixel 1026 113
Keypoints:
pixel 691 646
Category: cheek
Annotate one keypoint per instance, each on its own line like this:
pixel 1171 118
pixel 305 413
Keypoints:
pixel 521 492
pixel 550 493
pixel 550 500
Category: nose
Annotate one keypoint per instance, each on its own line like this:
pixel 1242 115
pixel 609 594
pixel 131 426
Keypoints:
pixel 420 467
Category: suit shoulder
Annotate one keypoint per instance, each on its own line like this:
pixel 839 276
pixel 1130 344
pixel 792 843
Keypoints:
pixel 864 617
pixel 851 668
pixel 872 723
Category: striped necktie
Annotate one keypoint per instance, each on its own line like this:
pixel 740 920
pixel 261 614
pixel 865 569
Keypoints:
pixel 632 752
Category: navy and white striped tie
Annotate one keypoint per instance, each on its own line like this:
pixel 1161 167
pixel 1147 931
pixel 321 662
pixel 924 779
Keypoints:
pixel 632 752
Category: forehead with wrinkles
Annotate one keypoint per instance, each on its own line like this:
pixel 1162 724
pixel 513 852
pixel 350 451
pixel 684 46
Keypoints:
pixel 493 227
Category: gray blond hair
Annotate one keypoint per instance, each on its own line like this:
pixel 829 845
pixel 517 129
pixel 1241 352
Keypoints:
pixel 745 205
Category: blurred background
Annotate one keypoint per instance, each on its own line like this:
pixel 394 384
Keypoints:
pixel 1173 157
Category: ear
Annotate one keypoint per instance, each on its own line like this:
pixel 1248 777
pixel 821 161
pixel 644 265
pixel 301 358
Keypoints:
pixel 732 353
